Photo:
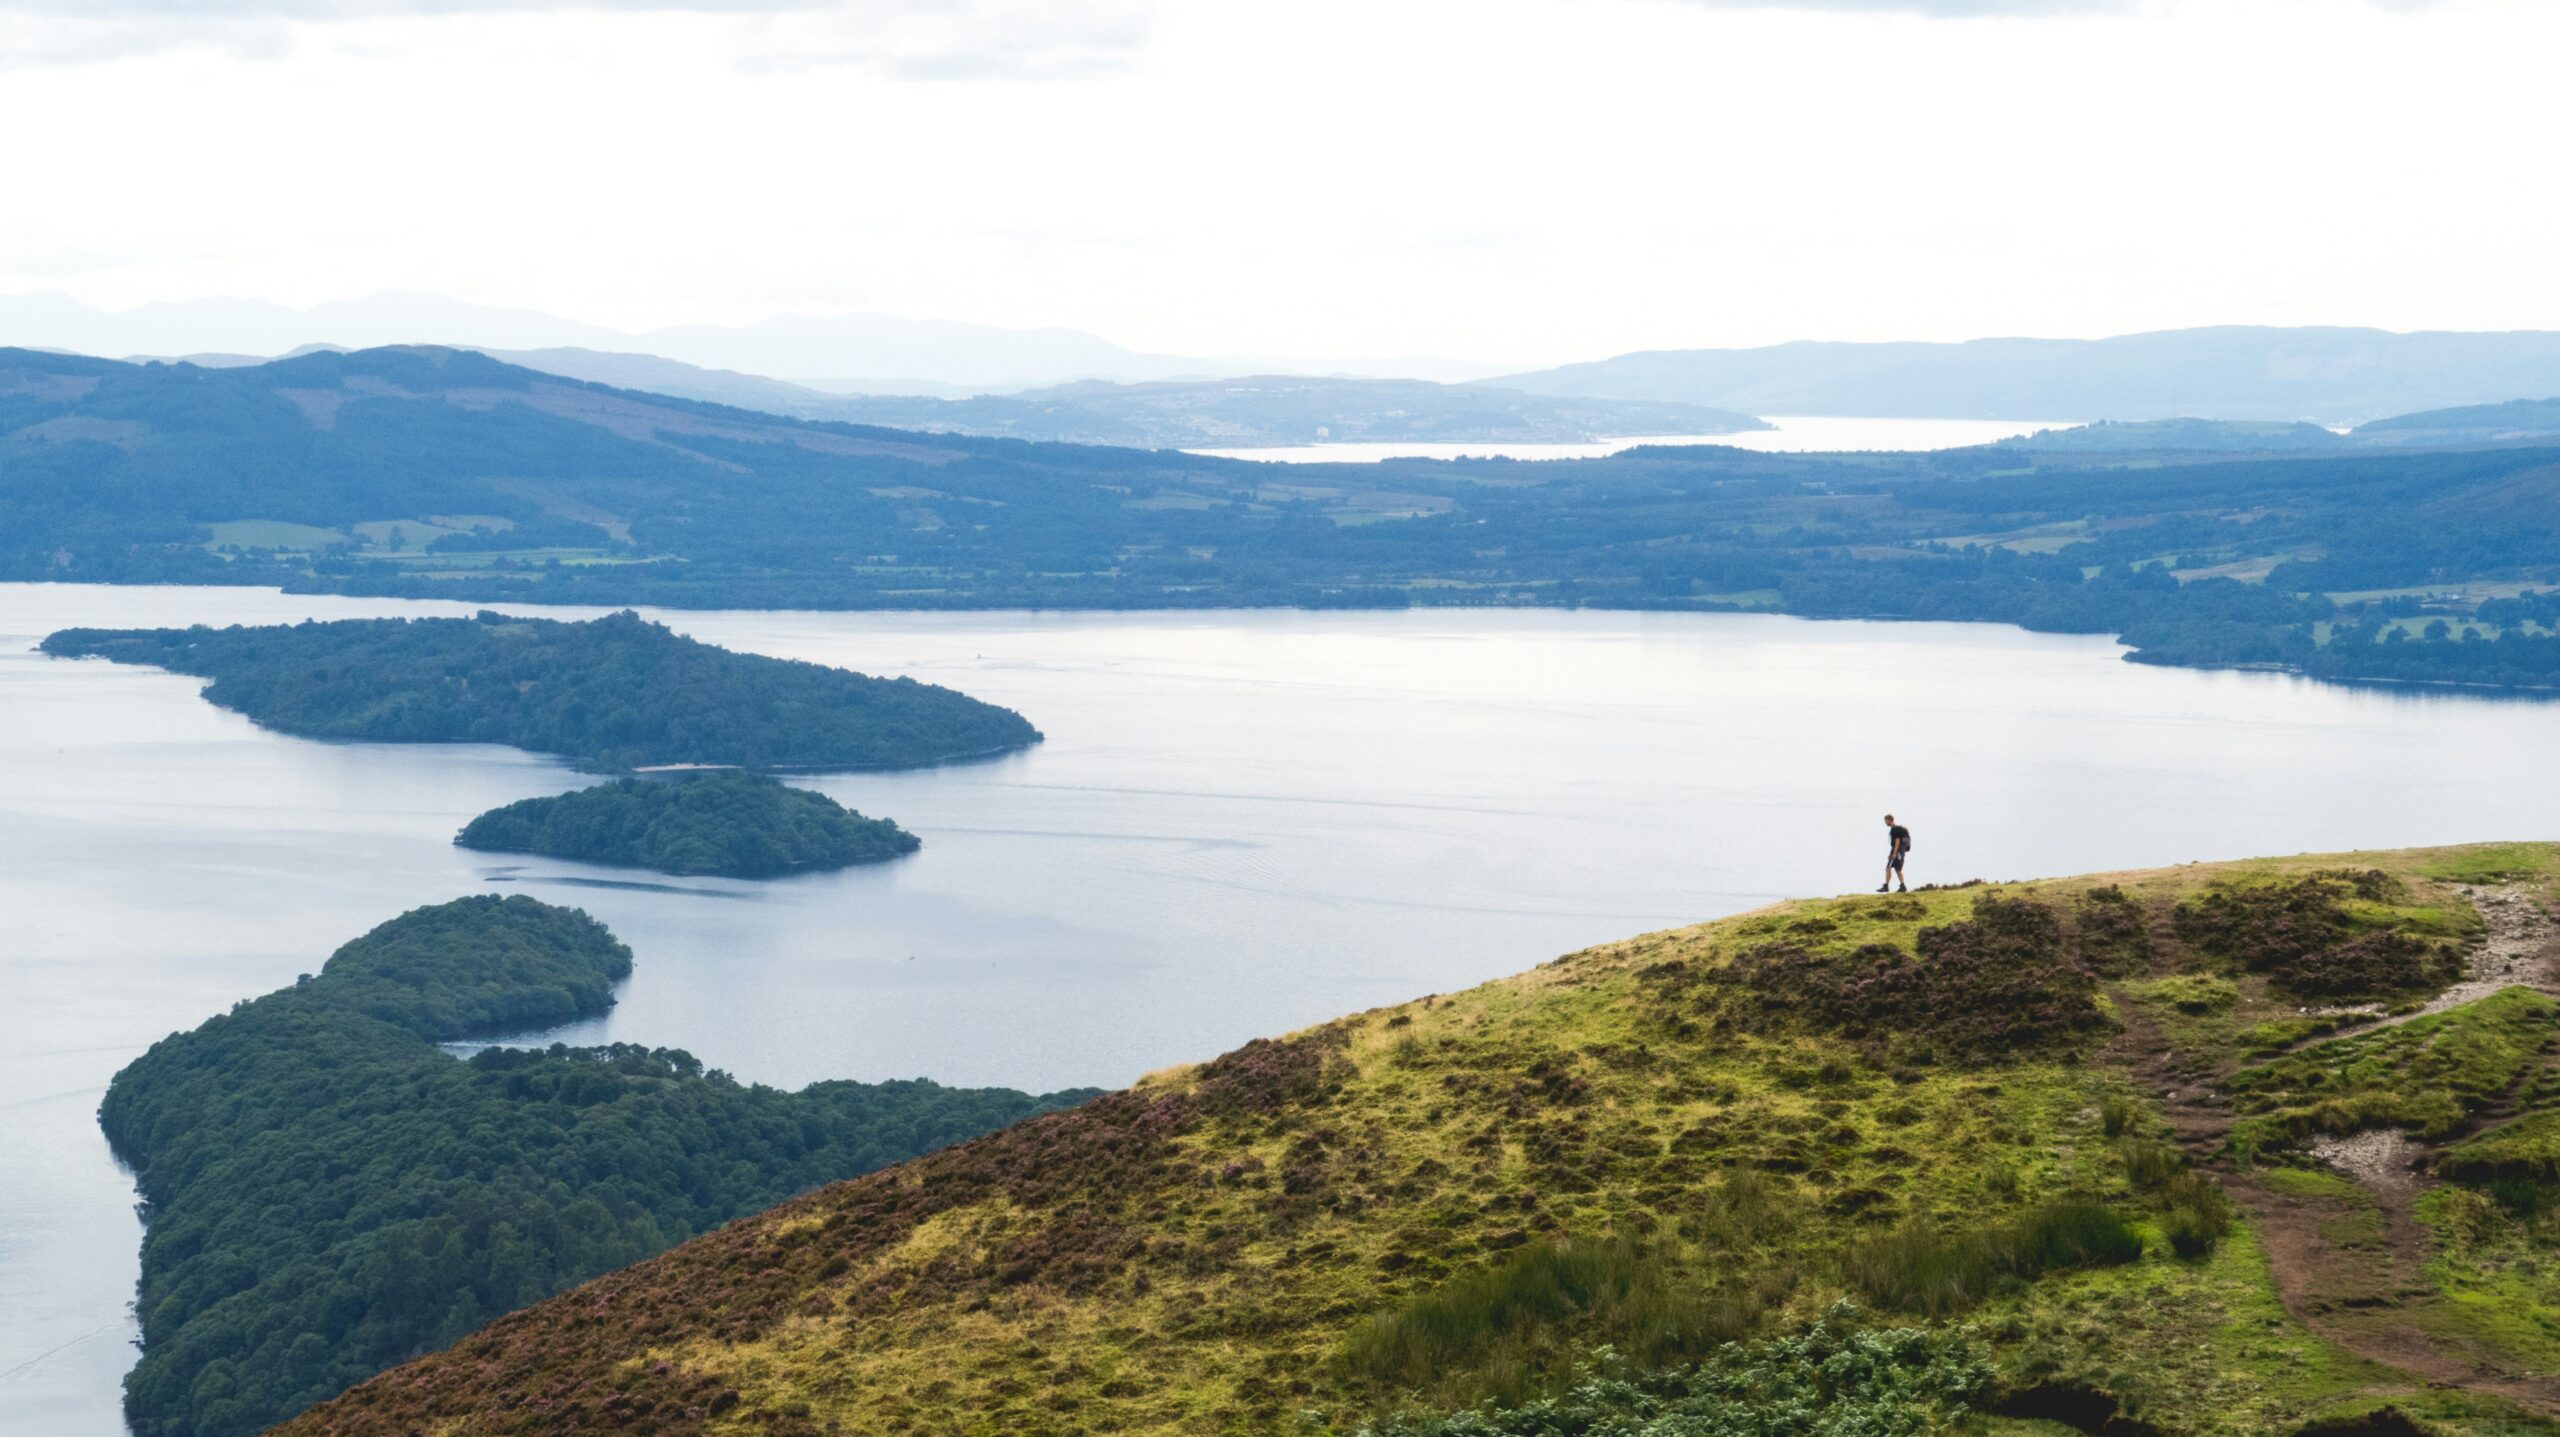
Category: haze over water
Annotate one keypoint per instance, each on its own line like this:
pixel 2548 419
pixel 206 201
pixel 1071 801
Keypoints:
pixel 1786 434
pixel 1241 823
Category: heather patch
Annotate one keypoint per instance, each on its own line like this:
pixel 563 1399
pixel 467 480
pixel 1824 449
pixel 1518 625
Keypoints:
pixel 2110 933
pixel 2337 933
pixel 2000 985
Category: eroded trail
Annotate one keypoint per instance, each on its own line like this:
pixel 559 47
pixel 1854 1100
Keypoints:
pixel 2343 1242
pixel 2517 953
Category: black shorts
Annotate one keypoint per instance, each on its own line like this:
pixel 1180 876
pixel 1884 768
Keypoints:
pixel 1894 861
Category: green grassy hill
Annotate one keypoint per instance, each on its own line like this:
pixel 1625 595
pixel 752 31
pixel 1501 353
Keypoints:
pixel 2134 1149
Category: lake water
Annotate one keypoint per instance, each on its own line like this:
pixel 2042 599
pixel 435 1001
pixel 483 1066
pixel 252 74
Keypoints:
pixel 1789 434
pixel 1241 823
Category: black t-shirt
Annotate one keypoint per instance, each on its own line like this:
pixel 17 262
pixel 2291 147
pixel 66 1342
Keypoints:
pixel 1900 837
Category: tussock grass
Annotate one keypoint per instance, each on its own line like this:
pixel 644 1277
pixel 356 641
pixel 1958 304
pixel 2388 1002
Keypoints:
pixel 2150 1165
pixel 2528 1148
pixel 2115 1114
pixel 1511 1322
pixel 1930 1273
pixel 2196 1214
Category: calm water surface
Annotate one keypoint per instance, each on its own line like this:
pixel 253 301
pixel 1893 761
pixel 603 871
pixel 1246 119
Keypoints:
pixel 1240 824
pixel 1788 434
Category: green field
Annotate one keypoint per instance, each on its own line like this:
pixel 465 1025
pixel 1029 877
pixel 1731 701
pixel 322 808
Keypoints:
pixel 272 534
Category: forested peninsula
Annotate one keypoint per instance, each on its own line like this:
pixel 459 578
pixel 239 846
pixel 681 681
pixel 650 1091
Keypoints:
pixel 618 692
pixel 729 824
pixel 331 1193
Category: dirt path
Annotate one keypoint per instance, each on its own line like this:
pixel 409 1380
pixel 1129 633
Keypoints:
pixel 2349 1260
pixel 2518 951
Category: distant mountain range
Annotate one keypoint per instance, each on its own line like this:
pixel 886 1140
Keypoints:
pixel 846 353
pixel 1242 412
pixel 2325 376
pixel 841 367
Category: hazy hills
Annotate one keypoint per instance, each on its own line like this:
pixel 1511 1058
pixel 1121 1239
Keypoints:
pixel 2058 1136
pixel 868 353
pixel 448 474
pixel 1241 412
pixel 2327 376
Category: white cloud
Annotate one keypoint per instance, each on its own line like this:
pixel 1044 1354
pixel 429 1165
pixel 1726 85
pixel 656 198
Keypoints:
pixel 1954 8
pixel 1526 180
pixel 1991 9
pixel 372 9
pixel 917 39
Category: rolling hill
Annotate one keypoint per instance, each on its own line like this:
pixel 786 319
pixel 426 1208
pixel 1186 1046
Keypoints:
pixel 2234 1149
pixel 2516 421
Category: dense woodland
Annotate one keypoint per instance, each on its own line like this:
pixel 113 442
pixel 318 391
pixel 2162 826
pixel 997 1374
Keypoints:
pixel 615 692
pixel 331 1193
pixel 121 473
pixel 731 824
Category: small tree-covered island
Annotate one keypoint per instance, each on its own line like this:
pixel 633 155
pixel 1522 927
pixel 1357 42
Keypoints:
pixel 728 824
pixel 332 1193
pixel 618 692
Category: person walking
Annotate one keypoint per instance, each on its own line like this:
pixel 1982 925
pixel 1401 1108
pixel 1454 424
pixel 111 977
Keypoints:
pixel 1897 847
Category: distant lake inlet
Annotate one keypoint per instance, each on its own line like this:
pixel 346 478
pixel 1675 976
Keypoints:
pixel 1796 434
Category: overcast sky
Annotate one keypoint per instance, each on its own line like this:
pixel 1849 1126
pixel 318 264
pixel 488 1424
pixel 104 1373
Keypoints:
pixel 1523 180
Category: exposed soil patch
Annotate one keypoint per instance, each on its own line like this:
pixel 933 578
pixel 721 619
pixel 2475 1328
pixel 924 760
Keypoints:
pixel 2381 1161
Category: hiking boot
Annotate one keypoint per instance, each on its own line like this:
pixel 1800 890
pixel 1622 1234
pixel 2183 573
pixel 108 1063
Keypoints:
pixel 1884 888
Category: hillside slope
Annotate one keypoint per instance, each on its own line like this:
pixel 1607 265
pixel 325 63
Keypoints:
pixel 2116 1125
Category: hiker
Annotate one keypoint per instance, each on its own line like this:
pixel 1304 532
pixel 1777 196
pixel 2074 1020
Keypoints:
pixel 1898 847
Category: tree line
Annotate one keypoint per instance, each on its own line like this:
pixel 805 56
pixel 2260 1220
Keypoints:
pixel 330 1193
